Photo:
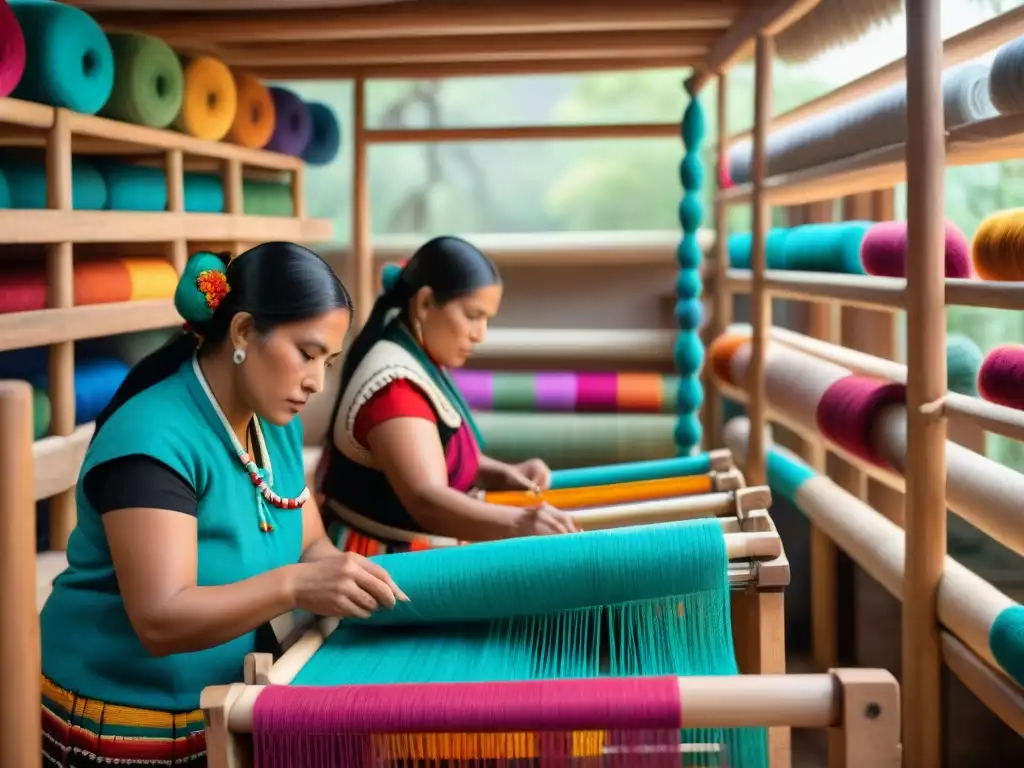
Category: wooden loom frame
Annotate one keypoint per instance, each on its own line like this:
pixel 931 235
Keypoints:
pixel 758 636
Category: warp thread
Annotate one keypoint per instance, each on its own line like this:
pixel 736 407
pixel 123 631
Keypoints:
pixel 689 349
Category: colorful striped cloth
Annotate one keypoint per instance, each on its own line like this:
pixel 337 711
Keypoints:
pixel 566 391
pixel 83 733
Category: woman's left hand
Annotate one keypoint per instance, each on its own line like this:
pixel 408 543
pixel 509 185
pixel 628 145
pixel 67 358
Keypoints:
pixel 530 475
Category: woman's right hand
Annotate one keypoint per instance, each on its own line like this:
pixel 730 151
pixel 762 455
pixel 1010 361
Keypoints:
pixel 544 520
pixel 344 586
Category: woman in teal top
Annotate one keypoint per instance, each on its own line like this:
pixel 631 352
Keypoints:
pixel 195 528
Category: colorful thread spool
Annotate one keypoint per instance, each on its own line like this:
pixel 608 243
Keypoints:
pixel 883 251
pixel 12 51
pixel 210 98
pixel 255 116
pixel 848 410
pixel 1001 377
pixel 148 81
pixel 998 246
pixel 294 125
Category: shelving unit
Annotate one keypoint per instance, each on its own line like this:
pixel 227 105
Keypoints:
pixel 864 183
pixel 62 134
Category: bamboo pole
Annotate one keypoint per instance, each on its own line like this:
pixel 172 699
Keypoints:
pixel 362 248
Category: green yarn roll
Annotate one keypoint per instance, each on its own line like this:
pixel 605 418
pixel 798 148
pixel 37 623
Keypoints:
pixel 41 413
pixel 514 392
pixel 565 440
pixel 267 198
pixel 963 360
pixel 149 84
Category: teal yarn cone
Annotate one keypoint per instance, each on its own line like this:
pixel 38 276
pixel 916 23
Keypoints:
pixel 963 360
pixel 689 350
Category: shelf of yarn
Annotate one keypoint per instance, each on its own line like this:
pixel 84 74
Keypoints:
pixel 547 344
pixel 573 419
pixel 130 202
pixel 860 146
pixel 111 295
pixel 100 366
pixel 863 263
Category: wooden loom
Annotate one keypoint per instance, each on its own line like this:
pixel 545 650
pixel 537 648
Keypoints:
pixel 758 571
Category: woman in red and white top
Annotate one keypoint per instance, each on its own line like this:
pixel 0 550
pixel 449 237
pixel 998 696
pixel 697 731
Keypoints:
pixel 403 450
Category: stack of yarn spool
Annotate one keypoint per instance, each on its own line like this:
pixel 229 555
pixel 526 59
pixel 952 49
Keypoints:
pixel 573 419
pixel 56 54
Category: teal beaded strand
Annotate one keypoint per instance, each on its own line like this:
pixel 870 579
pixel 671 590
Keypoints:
pixel 689 349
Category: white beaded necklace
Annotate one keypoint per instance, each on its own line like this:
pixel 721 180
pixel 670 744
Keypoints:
pixel 262 479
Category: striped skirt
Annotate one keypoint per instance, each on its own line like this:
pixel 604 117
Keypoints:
pixel 85 733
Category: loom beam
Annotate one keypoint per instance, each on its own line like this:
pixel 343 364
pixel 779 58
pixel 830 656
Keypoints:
pixel 860 706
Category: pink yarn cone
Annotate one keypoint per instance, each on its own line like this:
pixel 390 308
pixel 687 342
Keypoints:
pixel 883 251
pixel 847 412
pixel 1001 376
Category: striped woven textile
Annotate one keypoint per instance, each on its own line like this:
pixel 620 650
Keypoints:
pixel 80 732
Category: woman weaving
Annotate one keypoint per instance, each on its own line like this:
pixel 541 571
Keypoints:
pixel 195 528
pixel 404 450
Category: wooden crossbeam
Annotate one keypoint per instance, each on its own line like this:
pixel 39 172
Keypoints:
pixel 429 17
pixel 540 47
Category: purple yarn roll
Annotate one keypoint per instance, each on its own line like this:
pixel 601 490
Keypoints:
pixel 555 391
pixel 597 391
pixel 477 387
pixel 293 127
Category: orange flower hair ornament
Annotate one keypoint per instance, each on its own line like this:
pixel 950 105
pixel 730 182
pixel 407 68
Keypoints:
pixel 201 289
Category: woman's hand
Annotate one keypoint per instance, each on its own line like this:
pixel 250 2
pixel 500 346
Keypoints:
pixel 530 475
pixel 345 586
pixel 544 520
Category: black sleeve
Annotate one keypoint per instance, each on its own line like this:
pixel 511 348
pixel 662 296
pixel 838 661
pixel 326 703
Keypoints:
pixel 138 482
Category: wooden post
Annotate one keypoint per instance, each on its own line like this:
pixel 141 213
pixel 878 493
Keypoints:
pixel 721 307
pixel 362 249
pixel 926 385
pixel 760 302
pixel 174 170
pixel 60 278
pixel 21 744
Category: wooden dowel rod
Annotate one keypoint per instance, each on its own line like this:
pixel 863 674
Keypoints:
pixel 668 510
pixel 21 744
pixel 523 133
pixel 362 249
pixel 760 302
pixel 721 307
pixel 925 517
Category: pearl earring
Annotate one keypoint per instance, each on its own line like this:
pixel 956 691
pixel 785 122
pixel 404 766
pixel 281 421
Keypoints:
pixel 238 357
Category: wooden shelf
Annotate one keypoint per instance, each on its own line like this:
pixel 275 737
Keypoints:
pixel 20 330
pixel 115 136
pixel 985 141
pixel 22 227
pixel 870 292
